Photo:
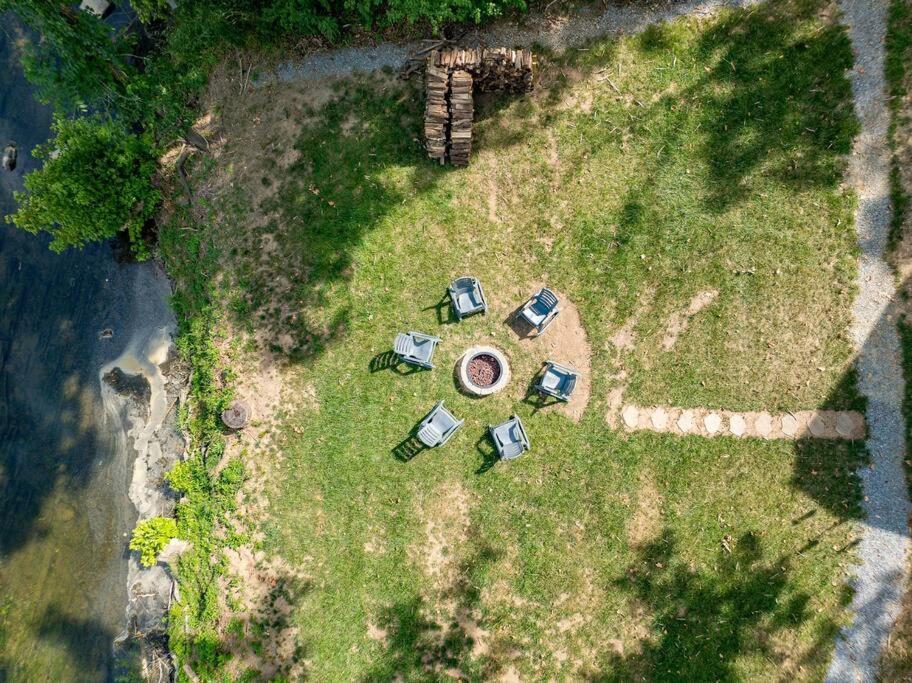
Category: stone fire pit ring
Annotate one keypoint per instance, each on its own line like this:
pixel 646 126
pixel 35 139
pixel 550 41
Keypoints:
pixel 483 370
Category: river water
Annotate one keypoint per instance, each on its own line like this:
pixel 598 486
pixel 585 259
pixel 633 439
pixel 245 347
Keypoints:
pixel 65 466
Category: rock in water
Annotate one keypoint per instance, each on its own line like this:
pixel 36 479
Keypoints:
pixel 9 158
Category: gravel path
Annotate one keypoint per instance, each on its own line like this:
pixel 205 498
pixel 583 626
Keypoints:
pixel 555 33
pixel 880 577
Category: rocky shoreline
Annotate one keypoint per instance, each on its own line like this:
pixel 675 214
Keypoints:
pixel 142 391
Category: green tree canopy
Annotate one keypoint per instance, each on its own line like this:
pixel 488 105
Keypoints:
pixel 96 181
pixel 76 62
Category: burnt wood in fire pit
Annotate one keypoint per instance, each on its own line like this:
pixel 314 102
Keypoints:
pixel 482 370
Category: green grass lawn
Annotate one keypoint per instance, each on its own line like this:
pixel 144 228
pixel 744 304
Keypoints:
pixel 702 154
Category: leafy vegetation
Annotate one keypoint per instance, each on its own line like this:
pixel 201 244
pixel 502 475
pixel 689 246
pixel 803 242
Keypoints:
pixel 151 536
pixel 76 63
pixel 713 159
pixel 80 64
pixel 96 181
pixel 208 493
pixel 328 17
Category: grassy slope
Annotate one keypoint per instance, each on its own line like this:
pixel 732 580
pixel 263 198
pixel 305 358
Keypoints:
pixel 897 662
pixel 720 166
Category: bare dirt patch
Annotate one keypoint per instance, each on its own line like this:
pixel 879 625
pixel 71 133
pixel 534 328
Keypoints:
pixel 563 341
pixel 446 518
pixel 259 631
pixel 646 522
pixel 678 322
pixel 623 341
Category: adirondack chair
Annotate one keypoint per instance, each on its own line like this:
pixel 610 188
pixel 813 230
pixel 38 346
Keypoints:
pixel 510 438
pixel 557 380
pixel 439 425
pixel 467 297
pixel 416 348
pixel 540 310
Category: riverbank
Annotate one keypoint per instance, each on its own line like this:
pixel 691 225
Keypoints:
pixel 66 463
pixel 143 390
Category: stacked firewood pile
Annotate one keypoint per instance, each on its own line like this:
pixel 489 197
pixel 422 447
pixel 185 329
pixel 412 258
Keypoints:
pixel 451 76
pixel 436 111
pixel 461 114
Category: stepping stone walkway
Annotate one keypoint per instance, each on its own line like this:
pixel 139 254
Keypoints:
pixel 802 424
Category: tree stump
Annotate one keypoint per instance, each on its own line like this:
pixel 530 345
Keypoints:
pixel 236 415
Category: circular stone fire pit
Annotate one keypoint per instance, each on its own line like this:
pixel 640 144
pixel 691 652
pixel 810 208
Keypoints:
pixel 482 370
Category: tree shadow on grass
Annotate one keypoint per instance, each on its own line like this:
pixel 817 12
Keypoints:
pixel 422 645
pixel 827 471
pixel 358 159
pixel 775 100
pixel 704 618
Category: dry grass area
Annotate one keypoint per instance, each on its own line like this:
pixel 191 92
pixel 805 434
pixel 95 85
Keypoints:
pixel 681 190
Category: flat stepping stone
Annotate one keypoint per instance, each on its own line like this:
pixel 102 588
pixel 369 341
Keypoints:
pixel 686 421
pixel 817 424
pixel 763 425
pixel 712 422
pixel 850 425
pixel 659 419
pixel 789 425
pixel 631 416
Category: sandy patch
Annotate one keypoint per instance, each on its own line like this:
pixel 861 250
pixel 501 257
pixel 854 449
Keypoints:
pixel 623 341
pixel 553 155
pixel 446 522
pixel 678 322
pixel 492 203
pixel 564 341
pixel 376 633
pixel 259 631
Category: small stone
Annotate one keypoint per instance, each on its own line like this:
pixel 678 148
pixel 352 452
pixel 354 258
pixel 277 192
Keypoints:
pixel 789 425
pixel 737 425
pixel 659 419
pixel 686 421
pixel 817 426
pixel 712 422
pixel 848 427
pixel 631 416
pixel 763 425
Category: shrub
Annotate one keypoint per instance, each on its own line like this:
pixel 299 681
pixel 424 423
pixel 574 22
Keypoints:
pixel 77 62
pixel 95 182
pixel 151 536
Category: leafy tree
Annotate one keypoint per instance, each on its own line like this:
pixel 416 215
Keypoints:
pixel 76 63
pixel 95 182
pixel 151 536
pixel 148 10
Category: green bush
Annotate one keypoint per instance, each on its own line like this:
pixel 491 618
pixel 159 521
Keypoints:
pixel 328 17
pixel 151 536
pixel 96 181
pixel 77 63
